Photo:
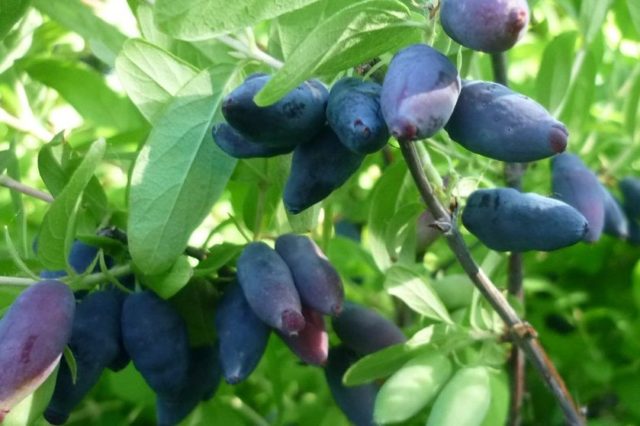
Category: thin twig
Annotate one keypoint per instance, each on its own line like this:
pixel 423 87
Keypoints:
pixel 20 125
pixel 523 335
pixel 513 178
pixel 84 282
pixel 254 53
pixel 44 196
pixel 13 184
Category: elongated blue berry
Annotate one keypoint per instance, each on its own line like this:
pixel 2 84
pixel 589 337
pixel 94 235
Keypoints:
pixel 202 381
pixel 239 146
pixel 33 334
pixel 576 185
pixel 317 281
pixel 294 119
pixel 318 168
pixel 353 112
pixel 268 286
pixel 94 344
pixel 155 336
pixel 365 331
pixel 507 220
pixel 242 335
pixel 419 91
pixel 492 120
pixel 486 25
pixel 630 188
pixel 356 402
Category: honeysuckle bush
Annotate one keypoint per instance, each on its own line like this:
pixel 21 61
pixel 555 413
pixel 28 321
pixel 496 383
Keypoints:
pixel 108 107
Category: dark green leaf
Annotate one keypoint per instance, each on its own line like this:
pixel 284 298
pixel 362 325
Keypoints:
pixel 57 221
pixel 10 12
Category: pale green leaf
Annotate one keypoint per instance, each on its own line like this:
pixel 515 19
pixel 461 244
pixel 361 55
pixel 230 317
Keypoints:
pixel 592 16
pixel 31 408
pixel 412 288
pixel 86 90
pixel 464 401
pixel 105 39
pixel 57 222
pixel 378 365
pixel 499 406
pixel 203 19
pixel 179 173
pixel 354 35
pixel 411 388
pixel 169 283
pixel 383 207
pixel 151 76
pixel 554 74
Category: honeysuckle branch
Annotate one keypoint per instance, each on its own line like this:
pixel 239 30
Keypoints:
pixel 522 334
pixel 252 52
pixel 515 273
pixel 84 282
pixel 17 186
pixel 14 185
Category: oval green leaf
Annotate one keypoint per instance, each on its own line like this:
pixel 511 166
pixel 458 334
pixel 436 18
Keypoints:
pixel 179 173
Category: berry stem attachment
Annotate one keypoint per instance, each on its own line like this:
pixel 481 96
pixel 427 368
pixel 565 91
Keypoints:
pixel 528 343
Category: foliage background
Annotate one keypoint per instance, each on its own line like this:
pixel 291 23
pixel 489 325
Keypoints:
pixel 137 76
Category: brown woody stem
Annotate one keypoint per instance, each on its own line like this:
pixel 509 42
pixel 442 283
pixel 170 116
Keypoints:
pixel 527 341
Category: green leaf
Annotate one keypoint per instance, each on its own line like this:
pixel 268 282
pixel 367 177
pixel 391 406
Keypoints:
pixel 592 16
pixel 50 170
pixel 554 74
pixel 169 283
pixel 218 256
pixel 378 365
pixel 151 76
pixel 179 173
pixel 196 302
pixel 411 388
pixel 464 401
pixel 411 287
pixel 454 290
pixel 10 12
pixel 499 406
pixel 57 221
pixel 355 34
pixel 87 91
pixel 632 106
pixel 634 13
pixel 70 359
pixel 32 407
pixel 293 27
pixel 5 158
pixel 204 19
pixel 105 39
pixel 383 207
